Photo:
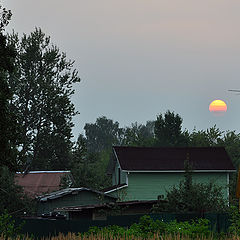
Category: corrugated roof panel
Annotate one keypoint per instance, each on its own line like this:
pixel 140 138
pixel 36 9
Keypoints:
pixel 39 183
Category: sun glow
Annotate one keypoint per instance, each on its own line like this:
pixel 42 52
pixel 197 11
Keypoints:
pixel 218 106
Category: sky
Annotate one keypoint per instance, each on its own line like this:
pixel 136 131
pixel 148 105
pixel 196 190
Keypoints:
pixel 139 58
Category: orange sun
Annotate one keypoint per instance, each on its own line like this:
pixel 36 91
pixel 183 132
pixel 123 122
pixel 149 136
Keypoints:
pixel 218 106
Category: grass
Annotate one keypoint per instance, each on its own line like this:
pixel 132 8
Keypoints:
pixel 73 236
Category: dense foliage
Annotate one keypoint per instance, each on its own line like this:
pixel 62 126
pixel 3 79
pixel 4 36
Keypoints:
pixel 189 196
pixel 8 227
pixel 42 86
pixel 147 227
pixel 7 121
pixel 168 130
pixel 12 197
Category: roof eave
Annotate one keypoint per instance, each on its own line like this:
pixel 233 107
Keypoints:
pixel 117 158
pixel 115 189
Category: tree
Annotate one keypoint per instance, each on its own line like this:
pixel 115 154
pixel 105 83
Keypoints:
pixel 88 168
pixel 8 127
pixel 5 16
pixel 42 83
pixel 102 134
pixel 139 135
pixel 12 197
pixel 209 138
pixel 231 142
pixel 168 130
pixel 195 197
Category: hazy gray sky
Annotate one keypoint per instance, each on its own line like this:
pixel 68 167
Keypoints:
pixel 139 58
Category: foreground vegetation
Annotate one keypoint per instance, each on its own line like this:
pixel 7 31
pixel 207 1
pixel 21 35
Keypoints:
pixel 72 236
pixel 147 228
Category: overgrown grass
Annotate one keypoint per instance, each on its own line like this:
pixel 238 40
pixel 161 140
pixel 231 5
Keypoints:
pixel 156 236
pixel 147 228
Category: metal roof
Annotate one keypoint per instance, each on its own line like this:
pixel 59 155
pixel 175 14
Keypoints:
pixel 142 159
pixel 108 205
pixel 68 191
pixel 36 183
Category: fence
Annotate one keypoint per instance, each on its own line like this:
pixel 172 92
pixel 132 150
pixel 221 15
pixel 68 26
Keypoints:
pixel 39 227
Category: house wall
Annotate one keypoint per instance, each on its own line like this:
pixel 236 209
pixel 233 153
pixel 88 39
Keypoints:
pixel 115 179
pixel 147 186
pixel 82 198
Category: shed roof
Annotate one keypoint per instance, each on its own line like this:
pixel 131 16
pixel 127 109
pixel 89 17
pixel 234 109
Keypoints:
pixel 36 183
pixel 173 158
pixel 69 191
pixel 109 205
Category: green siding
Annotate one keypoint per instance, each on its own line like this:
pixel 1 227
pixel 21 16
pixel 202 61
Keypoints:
pixel 147 186
pixel 82 198
pixel 115 176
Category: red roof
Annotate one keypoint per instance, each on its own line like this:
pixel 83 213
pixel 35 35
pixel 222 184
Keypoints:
pixel 172 158
pixel 36 183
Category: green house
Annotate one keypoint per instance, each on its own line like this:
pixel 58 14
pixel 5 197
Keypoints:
pixel 140 173
pixel 71 197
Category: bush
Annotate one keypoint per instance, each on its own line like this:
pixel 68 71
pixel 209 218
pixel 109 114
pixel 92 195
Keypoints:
pixel 195 197
pixel 8 229
pixel 147 227
pixel 110 231
pixel 200 227
pixel 235 221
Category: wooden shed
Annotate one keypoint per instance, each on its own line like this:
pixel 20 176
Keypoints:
pixel 71 197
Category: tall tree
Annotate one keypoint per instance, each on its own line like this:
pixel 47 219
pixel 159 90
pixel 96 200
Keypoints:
pixel 42 83
pixel 168 130
pixel 8 125
pixel 12 197
pixel 210 137
pixel 139 134
pixel 5 16
pixel 102 134
pixel 88 168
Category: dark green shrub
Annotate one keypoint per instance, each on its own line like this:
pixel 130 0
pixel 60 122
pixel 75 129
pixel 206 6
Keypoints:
pixel 8 228
pixel 109 231
pixel 200 227
pixel 235 221
pixel 147 227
